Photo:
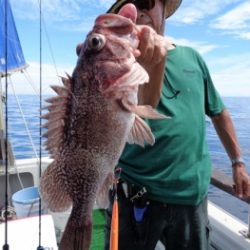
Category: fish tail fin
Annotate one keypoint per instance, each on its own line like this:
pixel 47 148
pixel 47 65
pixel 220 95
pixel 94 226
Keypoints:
pixel 52 188
pixel 77 233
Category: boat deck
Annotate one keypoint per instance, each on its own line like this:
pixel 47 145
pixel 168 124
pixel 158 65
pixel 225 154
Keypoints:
pixel 227 233
pixel 23 234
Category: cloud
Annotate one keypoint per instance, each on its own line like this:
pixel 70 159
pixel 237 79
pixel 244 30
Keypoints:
pixel 106 3
pixel 196 11
pixel 28 82
pixel 201 47
pixel 231 74
pixel 235 22
pixel 58 10
pixel 84 26
pixel 230 84
pixel 235 19
pixel 220 19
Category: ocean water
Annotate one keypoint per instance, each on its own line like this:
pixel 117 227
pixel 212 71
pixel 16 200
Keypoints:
pixel 24 126
pixel 25 139
pixel 239 108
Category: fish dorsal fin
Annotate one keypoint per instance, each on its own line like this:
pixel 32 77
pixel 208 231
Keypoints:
pixel 140 133
pixel 57 116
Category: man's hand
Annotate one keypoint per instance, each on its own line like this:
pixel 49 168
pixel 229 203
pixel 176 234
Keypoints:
pixel 153 47
pixel 242 180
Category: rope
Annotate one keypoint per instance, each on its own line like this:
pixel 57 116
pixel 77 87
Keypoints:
pixel 31 82
pixel 24 120
pixel 49 44
pixel 51 51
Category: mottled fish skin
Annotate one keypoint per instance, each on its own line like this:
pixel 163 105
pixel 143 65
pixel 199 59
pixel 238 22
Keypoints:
pixel 89 123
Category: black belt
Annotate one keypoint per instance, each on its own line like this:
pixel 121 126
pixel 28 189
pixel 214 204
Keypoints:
pixel 133 193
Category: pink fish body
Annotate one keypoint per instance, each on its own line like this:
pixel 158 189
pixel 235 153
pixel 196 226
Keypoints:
pixel 89 122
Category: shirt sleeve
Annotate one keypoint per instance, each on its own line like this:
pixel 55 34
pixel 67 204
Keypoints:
pixel 213 101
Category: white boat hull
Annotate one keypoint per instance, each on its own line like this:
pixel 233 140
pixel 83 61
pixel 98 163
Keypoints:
pixel 227 231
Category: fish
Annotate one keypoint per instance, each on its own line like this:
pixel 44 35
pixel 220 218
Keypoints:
pixel 89 121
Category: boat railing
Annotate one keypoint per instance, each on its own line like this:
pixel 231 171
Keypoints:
pixel 225 183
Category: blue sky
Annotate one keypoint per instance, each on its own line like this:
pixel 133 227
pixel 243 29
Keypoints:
pixel 218 29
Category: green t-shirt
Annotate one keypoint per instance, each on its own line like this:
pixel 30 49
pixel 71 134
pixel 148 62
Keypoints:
pixel 177 169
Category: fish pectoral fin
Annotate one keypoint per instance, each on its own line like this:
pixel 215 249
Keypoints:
pixel 53 189
pixel 140 133
pixel 145 111
pixel 127 83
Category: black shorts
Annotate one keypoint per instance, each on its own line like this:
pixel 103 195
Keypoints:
pixel 178 227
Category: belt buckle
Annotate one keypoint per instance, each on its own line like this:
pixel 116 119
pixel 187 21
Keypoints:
pixel 139 194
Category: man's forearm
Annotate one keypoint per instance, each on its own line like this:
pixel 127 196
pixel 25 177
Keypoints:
pixel 226 131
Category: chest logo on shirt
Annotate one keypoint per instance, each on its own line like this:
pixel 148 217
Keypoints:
pixel 188 72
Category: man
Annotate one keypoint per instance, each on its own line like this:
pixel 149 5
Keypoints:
pixel 162 191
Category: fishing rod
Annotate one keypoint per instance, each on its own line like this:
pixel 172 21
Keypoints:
pixel 40 122
pixel 6 245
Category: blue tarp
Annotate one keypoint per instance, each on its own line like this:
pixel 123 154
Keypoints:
pixel 15 59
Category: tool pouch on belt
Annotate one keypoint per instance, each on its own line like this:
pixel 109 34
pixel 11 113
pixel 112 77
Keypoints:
pixel 139 199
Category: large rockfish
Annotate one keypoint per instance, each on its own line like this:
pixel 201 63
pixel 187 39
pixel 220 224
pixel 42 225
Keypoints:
pixel 94 114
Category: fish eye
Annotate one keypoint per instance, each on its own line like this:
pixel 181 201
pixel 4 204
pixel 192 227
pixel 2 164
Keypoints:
pixel 96 42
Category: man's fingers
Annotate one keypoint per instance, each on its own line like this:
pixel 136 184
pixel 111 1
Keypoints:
pixel 246 189
pixel 242 189
pixel 239 190
pixel 160 49
pixel 146 45
pixel 152 46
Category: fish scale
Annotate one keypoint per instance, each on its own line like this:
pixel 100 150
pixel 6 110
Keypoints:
pixel 89 122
